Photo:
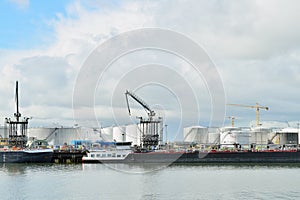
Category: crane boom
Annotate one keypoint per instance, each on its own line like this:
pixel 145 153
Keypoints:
pixel 150 112
pixel 256 106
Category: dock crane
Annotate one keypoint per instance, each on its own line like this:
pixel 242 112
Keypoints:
pixel 150 128
pixel 149 111
pixel 257 108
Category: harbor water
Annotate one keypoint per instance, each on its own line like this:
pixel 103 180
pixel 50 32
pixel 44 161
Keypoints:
pixel 97 181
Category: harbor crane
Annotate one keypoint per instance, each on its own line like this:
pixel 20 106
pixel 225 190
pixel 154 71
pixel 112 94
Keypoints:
pixel 232 118
pixel 257 108
pixel 149 111
pixel 151 131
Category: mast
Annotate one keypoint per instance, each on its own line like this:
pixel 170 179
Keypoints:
pixel 17 114
pixel 17 129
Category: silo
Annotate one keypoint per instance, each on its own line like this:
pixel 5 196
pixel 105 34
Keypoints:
pixel 133 134
pixel 107 134
pixel 119 134
pixel 198 134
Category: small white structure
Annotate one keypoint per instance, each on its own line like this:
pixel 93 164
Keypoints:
pixel 198 134
pixel 119 133
pixel 229 136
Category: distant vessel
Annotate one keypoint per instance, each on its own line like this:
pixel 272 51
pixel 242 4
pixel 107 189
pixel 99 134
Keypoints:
pixel 13 149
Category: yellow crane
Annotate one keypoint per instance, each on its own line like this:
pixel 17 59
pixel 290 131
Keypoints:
pixel 232 118
pixel 257 107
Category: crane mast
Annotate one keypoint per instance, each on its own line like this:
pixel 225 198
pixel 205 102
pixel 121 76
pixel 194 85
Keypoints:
pixel 17 129
pixel 257 107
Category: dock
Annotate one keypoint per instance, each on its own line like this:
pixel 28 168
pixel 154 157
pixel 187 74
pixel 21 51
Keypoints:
pixel 68 156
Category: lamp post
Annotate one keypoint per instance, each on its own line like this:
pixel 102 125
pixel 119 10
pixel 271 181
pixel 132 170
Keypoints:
pixel 298 133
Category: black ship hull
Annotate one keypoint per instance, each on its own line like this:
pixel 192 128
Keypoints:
pixel 211 157
pixel 26 156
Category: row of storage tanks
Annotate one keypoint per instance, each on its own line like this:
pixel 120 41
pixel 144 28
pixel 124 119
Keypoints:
pixel 227 136
pixel 64 135
pixel 196 134
pixel 59 136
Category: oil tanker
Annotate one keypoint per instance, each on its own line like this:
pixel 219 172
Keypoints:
pixel 121 155
pixel 151 134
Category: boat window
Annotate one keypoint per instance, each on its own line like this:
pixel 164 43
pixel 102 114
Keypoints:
pixel 114 155
pixel 103 155
pixel 93 155
pixel 118 155
pixel 123 155
pixel 98 155
pixel 109 155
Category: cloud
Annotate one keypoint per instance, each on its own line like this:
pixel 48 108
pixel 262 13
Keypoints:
pixel 254 45
pixel 21 4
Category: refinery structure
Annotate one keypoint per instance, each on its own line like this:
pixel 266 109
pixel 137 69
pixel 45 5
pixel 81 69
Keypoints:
pixel 225 137
pixel 148 133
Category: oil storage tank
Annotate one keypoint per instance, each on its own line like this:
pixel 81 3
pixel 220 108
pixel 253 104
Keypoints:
pixel 2 132
pixel 197 134
pixel 133 134
pixel 230 136
pixel 213 137
pixel 260 135
pixel 287 136
pixel 59 136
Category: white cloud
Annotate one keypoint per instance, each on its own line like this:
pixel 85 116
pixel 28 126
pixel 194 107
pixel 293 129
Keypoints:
pixel 22 4
pixel 255 45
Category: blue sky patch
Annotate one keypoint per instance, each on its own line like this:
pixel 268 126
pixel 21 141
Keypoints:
pixel 28 27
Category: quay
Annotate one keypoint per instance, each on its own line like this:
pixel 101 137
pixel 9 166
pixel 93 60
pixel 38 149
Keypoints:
pixel 68 156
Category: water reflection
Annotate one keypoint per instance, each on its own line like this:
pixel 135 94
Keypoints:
pixel 137 168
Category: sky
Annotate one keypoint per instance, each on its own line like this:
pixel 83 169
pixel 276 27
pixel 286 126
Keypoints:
pixel 254 46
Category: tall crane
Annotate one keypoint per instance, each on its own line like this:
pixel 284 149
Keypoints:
pixel 151 129
pixel 232 118
pixel 257 108
pixel 149 111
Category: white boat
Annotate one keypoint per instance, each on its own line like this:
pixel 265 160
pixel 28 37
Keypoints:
pixel 95 156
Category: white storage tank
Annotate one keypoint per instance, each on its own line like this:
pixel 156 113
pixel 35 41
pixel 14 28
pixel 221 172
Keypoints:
pixel 119 133
pixel 213 137
pixel 57 136
pixel 234 135
pixel 287 136
pixel 198 134
pixel 2 132
pixel 133 134
pixel 42 133
pixel 260 135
